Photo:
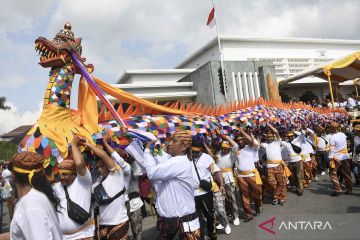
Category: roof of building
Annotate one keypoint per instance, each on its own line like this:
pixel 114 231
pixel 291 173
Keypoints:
pixel 163 84
pixel 213 42
pixel 17 132
pixel 128 73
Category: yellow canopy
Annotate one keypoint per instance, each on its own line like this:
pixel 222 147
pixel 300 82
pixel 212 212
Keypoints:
pixel 338 71
pixel 347 68
pixel 341 70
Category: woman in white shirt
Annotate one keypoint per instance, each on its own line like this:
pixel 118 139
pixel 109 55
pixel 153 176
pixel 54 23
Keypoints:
pixel 35 213
pixel 75 186
pixel 113 220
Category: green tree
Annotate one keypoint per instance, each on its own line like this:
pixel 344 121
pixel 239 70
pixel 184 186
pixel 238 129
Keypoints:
pixel 7 149
pixel 2 104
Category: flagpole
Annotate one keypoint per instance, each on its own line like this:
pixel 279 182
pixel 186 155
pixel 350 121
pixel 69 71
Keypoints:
pixel 221 52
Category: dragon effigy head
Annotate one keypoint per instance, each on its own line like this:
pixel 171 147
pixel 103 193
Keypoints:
pixel 56 52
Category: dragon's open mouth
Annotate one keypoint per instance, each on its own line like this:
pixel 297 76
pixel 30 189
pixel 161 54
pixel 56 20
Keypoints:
pixel 44 52
pixel 52 53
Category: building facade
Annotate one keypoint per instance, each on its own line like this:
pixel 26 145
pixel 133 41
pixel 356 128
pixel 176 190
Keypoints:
pixel 288 57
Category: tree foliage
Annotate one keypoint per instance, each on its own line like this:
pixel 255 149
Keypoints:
pixel 7 149
pixel 2 104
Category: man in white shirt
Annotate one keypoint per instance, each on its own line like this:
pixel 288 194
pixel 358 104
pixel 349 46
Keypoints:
pixel 247 174
pixel 306 153
pixel 339 160
pixel 277 171
pixel 75 185
pixel 113 219
pixel 321 147
pixel 204 166
pixel 295 162
pixel 175 184
pixel 226 160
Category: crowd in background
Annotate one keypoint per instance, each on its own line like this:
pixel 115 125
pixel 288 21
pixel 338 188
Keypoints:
pixel 350 103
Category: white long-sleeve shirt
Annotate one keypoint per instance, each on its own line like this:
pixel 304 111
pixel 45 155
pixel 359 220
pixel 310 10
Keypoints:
pixel 175 183
pixel 125 167
pixel 35 218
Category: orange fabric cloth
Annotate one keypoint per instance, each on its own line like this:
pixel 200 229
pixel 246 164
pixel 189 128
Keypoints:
pixel 123 96
pixel 256 172
pixel 281 162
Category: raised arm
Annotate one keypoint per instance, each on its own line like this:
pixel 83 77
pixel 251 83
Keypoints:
pixel 250 139
pixel 109 163
pixel 78 158
pixel 115 156
pixel 210 152
pixel 276 132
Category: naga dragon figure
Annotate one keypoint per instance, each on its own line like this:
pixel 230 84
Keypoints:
pixel 54 130
pixel 52 134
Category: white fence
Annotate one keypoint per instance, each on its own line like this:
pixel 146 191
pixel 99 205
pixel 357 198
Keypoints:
pixel 245 85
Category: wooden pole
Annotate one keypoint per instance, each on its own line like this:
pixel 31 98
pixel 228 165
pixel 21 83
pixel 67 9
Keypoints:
pixel 356 89
pixel 331 92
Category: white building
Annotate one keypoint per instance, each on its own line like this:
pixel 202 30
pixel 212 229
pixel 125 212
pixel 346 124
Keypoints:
pixel 289 56
pixel 157 84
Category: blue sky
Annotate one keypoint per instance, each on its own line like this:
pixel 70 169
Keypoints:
pixel 140 34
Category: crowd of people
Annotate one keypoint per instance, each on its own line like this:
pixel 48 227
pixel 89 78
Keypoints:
pixel 193 184
pixel 350 103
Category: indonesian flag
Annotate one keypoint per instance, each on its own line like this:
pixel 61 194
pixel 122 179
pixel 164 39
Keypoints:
pixel 211 19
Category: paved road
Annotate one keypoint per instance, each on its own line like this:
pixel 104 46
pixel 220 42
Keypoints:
pixel 315 204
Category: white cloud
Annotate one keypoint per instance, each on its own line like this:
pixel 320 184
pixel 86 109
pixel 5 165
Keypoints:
pixel 119 35
pixel 12 119
pixel 22 15
pixel 12 80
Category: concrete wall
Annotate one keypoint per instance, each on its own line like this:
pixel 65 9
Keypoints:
pixel 264 71
pixel 202 80
pixel 206 80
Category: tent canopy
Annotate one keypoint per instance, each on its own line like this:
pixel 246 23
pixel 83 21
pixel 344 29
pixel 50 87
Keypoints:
pixel 347 68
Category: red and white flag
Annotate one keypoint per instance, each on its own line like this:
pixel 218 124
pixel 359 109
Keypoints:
pixel 211 19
